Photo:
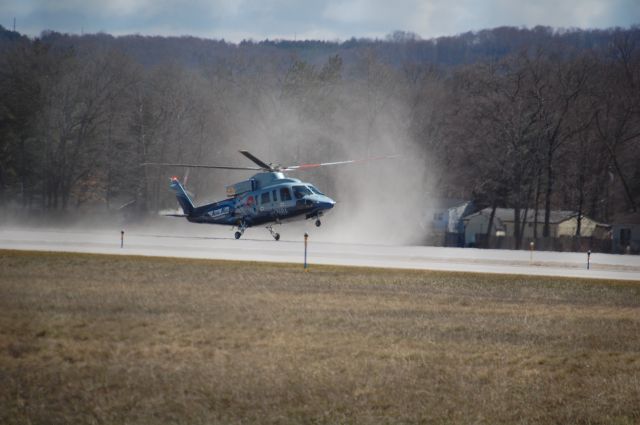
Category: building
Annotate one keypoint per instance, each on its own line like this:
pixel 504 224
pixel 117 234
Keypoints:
pixel 625 234
pixel 443 221
pixel 563 225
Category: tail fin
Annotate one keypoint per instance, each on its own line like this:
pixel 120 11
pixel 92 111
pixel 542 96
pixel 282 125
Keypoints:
pixel 182 196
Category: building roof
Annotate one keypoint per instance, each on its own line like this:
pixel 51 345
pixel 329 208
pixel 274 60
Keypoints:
pixel 506 215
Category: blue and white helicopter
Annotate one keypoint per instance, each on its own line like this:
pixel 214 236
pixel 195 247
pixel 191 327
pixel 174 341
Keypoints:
pixel 269 197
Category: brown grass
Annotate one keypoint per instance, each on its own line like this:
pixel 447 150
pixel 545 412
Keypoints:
pixel 117 340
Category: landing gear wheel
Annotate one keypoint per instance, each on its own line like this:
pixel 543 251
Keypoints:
pixel 318 223
pixel 242 226
pixel 275 234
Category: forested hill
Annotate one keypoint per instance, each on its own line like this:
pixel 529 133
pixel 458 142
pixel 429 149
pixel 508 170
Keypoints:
pixel 7 37
pixel 538 118
pixel 397 48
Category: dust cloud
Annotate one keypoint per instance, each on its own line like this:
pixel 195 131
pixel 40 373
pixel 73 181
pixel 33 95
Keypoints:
pixel 378 201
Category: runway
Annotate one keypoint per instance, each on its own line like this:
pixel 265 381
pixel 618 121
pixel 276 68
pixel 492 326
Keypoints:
pixel 290 249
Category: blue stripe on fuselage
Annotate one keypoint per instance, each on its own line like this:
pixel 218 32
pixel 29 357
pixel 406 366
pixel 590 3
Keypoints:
pixel 221 212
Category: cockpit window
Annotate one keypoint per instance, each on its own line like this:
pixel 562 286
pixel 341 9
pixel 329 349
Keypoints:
pixel 315 190
pixel 301 191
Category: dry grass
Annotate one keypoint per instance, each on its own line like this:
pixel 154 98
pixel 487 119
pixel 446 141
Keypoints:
pixel 115 340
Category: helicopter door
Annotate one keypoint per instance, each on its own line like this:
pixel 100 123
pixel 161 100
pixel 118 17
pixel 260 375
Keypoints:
pixel 265 202
pixel 285 198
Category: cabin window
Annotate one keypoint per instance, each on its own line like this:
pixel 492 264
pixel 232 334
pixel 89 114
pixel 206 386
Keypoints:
pixel 274 194
pixel 301 191
pixel 265 198
pixel 285 195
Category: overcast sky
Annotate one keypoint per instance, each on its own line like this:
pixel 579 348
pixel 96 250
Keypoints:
pixel 235 20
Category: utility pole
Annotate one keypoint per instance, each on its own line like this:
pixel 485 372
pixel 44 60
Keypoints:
pixel 14 24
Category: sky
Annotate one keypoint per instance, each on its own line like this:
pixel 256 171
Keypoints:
pixel 322 20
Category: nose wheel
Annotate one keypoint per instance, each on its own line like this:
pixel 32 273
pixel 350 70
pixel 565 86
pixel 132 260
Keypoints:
pixel 318 223
pixel 275 234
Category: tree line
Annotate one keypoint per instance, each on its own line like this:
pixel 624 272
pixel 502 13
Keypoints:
pixel 531 119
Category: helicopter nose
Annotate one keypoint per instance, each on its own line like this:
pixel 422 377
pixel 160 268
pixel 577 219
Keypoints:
pixel 326 204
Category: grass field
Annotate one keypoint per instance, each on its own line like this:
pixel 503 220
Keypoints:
pixel 133 340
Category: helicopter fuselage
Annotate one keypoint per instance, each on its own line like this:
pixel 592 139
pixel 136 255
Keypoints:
pixel 272 198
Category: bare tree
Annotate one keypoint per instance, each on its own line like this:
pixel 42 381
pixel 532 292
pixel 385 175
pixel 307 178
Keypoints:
pixel 556 87
pixel 499 119
pixel 617 110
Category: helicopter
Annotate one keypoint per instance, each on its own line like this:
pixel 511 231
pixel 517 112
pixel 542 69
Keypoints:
pixel 269 197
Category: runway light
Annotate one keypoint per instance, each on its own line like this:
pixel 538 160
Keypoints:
pixel 306 237
pixel 531 246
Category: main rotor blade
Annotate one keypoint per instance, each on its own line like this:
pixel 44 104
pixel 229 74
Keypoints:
pixel 258 161
pixel 305 167
pixel 219 167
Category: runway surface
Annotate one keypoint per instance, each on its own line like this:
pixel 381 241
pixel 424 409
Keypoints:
pixel 290 249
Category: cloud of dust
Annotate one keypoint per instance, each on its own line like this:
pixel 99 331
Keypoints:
pixel 378 201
